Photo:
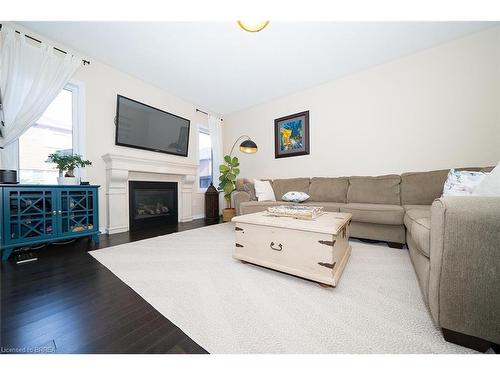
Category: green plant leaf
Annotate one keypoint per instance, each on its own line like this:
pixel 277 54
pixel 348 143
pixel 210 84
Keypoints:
pixel 234 162
pixel 228 189
pixel 223 168
pixel 231 177
pixel 227 159
pixel 236 171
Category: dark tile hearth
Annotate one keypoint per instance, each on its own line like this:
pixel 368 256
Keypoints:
pixel 67 302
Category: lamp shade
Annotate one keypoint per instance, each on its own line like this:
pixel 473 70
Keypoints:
pixel 248 147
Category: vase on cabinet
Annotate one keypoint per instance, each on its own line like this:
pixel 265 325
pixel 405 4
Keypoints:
pixel 68 180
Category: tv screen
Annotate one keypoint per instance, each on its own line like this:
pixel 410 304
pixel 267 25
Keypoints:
pixel 141 126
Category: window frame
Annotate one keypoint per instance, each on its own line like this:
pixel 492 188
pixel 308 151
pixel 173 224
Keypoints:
pixel 202 129
pixel 77 89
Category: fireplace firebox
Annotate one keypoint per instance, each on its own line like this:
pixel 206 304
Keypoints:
pixel 152 203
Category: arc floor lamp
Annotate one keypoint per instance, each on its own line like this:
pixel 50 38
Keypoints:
pixel 247 146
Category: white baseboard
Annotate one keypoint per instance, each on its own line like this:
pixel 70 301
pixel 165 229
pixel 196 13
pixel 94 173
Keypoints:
pixel 199 216
pixel 116 230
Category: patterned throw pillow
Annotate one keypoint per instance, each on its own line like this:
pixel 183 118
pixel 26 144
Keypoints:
pixel 462 182
pixel 246 185
pixel 295 196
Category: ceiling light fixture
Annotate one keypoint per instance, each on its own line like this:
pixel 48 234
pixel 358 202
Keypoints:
pixel 253 27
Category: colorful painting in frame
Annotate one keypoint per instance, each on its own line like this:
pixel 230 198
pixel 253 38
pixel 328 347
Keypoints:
pixel 291 135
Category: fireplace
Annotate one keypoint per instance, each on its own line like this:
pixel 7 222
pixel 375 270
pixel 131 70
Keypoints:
pixel 152 203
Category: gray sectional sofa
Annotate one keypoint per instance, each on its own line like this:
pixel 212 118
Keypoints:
pixel 453 242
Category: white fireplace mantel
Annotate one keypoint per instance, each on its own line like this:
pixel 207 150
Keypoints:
pixel 121 169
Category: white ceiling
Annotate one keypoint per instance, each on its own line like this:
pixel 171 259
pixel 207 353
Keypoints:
pixel 224 69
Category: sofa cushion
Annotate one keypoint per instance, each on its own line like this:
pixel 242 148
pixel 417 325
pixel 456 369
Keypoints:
pixel 327 189
pixel 415 212
pixel 283 186
pixel 409 207
pixel 246 185
pixel 327 206
pixel 487 169
pixel 375 213
pixel 421 234
pixel 422 187
pixel 476 169
pixel 379 190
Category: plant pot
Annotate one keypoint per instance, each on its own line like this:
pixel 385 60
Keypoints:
pixel 228 214
pixel 68 180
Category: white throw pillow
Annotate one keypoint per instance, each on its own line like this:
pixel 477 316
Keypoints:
pixel 462 182
pixel 490 185
pixel 295 196
pixel 264 191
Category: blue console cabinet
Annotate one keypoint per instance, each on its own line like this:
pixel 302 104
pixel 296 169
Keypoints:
pixel 36 214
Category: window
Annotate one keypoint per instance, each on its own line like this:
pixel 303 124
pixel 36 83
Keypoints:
pixel 205 158
pixel 54 131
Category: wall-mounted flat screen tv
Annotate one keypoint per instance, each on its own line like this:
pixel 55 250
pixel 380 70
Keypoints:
pixel 141 126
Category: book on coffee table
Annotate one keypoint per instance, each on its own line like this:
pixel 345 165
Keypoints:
pixel 298 212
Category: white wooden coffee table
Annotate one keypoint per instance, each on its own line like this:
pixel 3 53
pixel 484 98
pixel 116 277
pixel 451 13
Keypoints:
pixel 312 249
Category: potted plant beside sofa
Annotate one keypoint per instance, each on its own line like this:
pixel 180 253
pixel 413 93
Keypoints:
pixel 67 163
pixel 229 171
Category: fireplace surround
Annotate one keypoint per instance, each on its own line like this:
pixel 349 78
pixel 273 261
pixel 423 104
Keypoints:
pixel 121 169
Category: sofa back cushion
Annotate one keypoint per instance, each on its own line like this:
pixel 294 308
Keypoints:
pixel 476 169
pixel 283 186
pixel 329 189
pixel 422 187
pixel 380 189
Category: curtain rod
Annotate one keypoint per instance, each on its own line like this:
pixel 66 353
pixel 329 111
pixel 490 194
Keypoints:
pixel 85 62
pixel 199 110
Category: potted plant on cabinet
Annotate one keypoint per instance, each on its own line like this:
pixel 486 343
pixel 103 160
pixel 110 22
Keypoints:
pixel 228 172
pixel 67 163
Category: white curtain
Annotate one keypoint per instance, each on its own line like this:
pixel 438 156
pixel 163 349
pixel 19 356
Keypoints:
pixel 215 129
pixel 31 76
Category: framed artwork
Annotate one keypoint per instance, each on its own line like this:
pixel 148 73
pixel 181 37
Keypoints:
pixel 291 135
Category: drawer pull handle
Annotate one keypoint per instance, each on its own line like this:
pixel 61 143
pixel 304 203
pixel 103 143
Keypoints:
pixel 279 248
pixel 327 243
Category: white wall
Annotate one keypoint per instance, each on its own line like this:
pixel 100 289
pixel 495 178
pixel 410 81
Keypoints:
pixel 101 84
pixel 435 109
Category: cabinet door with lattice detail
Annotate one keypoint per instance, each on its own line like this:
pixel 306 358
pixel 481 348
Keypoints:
pixel 77 210
pixel 30 214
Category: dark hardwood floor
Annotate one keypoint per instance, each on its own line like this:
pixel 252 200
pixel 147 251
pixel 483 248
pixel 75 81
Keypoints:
pixel 67 302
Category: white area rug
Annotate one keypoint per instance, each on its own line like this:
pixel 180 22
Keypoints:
pixel 230 307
